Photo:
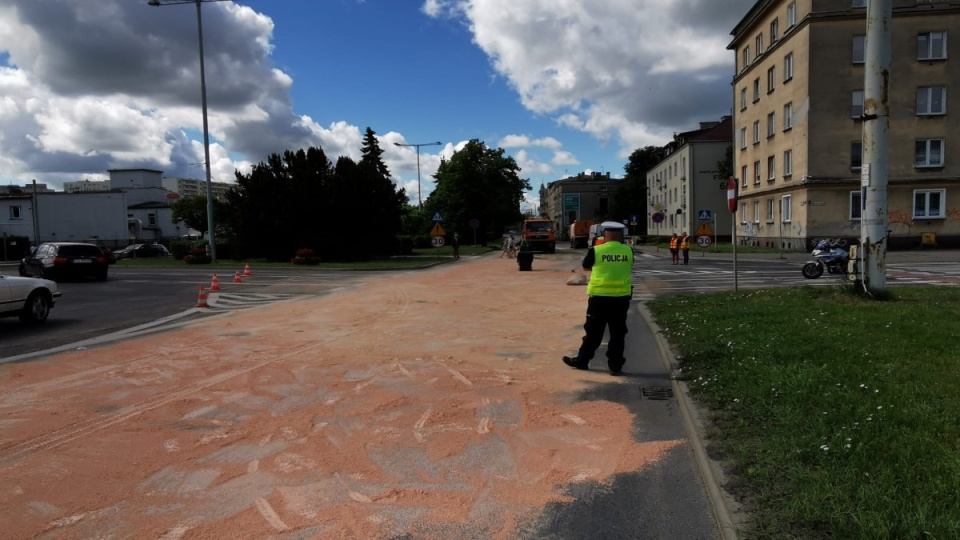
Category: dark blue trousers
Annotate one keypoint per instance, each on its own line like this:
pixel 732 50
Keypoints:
pixel 605 312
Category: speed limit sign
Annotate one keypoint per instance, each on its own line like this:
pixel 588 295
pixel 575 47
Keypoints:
pixel 704 241
pixel 437 241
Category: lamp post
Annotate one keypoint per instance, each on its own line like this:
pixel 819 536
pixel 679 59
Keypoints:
pixel 211 235
pixel 417 146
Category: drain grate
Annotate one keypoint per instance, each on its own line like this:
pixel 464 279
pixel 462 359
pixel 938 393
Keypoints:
pixel 656 392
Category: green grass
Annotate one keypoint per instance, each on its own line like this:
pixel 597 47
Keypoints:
pixel 421 258
pixel 840 415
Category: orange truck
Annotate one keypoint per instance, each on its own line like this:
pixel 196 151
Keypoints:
pixel 538 235
pixel 580 233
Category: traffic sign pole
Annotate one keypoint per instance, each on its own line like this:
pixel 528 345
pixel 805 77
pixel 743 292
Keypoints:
pixel 732 205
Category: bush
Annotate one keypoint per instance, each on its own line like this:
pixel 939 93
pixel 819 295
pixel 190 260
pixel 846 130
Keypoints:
pixel 305 256
pixel 197 255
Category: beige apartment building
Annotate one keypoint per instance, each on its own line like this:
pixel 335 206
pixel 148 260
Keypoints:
pixel 798 107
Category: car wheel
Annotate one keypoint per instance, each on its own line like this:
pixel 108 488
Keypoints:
pixel 36 309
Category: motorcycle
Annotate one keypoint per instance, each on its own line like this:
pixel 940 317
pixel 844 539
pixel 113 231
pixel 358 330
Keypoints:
pixel 829 254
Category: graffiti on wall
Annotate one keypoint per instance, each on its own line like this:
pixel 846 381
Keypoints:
pixel 751 230
pixel 900 219
pixel 954 214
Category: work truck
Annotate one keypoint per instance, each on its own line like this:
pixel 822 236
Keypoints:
pixel 538 235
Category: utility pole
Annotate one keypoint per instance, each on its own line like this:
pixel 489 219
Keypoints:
pixel 876 161
pixel 417 146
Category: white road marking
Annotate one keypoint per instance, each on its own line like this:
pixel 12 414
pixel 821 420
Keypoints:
pixel 270 515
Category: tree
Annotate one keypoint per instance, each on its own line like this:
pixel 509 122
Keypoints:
pixel 725 165
pixel 631 196
pixel 478 183
pixel 381 199
pixel 193 211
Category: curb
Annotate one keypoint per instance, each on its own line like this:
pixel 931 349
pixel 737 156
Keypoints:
pixel 693 425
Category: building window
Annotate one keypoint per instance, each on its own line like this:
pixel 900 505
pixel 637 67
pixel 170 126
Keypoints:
pixel 856 109
pixel 929 153
pixel 743 138
pixel 15 212
pixel 746 57
pixel 756 132
pixel 769 210
pixel 859 3
pixel 756 211
pixel 928 203
pixel 932 46
pixel 791 15
pixel 788 116
pixel 786 208
pixel 787 67
pixel 771 79
pixel 771 169
pixel 759 45
pixel 931 100
pixel 774 31
pixel 743 98
pixel 771 125
pixel 787 163
pixel 743 213
pixel 859 49
pixel 743 176
pixel 856 206
pixel 756 90
pixel 856 154
pixel 756 172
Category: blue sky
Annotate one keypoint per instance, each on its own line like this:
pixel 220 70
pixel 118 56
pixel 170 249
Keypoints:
pixel 563 86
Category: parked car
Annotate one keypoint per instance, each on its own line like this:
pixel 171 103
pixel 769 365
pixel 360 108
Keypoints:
pixel 28 298
pixel 60 260
pixel 134 251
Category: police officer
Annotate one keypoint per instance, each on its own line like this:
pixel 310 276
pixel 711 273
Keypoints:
pixel 610 292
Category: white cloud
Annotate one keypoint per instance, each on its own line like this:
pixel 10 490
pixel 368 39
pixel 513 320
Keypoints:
pixel 633 71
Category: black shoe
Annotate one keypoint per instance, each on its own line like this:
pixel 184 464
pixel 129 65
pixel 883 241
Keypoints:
pixel 572 362
pixel 616 372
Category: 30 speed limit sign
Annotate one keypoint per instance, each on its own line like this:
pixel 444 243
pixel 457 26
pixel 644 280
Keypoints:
pixel 704 241
pixel 437 241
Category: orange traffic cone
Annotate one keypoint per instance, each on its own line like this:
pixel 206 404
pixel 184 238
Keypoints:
pixel 246 270
pixel 215 284
pixel 236 278
pixel 202 299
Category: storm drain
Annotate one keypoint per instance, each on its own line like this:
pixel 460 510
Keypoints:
pixel 656 392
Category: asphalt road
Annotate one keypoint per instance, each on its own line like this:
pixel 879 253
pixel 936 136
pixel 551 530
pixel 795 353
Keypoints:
pixel 137 296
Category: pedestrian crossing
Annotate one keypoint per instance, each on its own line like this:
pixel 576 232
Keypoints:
pixel 652 279
pixel 218 301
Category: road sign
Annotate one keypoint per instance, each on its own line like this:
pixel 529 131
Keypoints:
pixel 474 223
pixel 704 241
pixel 732 194
pixel 437 241
pixel 704 215
pixel 437 217
pixel 571 201
pixel 437 230
pixel 634 219
pixel 657 217
pixel 704 229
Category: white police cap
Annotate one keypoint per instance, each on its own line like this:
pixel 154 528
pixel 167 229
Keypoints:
pixel 613 226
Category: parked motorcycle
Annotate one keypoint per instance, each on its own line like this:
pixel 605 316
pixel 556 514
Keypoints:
pixel 829 254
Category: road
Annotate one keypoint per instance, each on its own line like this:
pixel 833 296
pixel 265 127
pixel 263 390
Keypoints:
pixel 156 297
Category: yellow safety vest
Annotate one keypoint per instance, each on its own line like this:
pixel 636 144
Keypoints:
pixel 674 242
pixel 610 275
pixel 685 242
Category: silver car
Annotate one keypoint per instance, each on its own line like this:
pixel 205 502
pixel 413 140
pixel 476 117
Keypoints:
pixel 26 297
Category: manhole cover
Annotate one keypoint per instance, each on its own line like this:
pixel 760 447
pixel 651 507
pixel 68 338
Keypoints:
pixel 656 392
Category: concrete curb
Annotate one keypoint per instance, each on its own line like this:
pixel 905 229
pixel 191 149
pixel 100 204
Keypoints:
pixel 692 422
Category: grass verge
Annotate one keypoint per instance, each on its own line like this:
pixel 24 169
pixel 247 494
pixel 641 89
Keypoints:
pixel 420 258
pixel 839 416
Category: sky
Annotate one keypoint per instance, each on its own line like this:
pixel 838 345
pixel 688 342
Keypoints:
pixel 562 86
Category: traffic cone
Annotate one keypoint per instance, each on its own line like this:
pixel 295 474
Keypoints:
pixel 236 278
pixel 215 284
pixel 202 299
pixel 246 270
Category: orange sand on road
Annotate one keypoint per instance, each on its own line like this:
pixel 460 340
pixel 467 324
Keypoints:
pixel 430 403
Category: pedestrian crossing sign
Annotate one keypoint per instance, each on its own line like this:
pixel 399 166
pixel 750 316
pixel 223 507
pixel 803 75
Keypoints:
pixel 704 215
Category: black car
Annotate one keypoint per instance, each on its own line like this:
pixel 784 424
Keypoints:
pixel 60 260
pixel 142 250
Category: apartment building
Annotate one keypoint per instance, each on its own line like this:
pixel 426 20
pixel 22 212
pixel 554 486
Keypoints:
pixel 581 197
pixel 798 122
pixel 687 188
pixel 190 187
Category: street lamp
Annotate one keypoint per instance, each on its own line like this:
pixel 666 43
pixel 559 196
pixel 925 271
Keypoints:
pixel 417 146
pixel 211 235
